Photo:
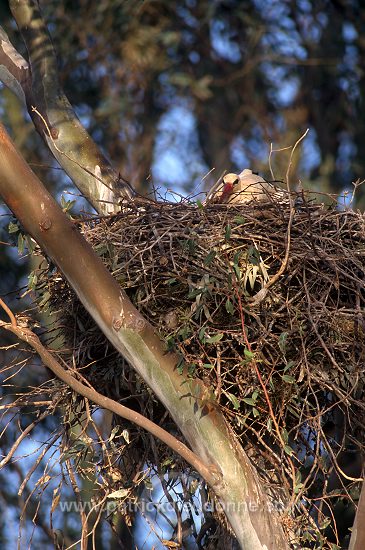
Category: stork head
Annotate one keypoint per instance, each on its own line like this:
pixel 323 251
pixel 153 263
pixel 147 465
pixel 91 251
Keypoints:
pixel 230 182
pixel 231 179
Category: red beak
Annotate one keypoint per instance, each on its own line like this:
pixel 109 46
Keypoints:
pixel 227 191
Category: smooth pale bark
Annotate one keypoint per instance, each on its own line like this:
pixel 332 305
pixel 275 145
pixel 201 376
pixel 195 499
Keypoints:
pixel 37 85
pixel 237 485
pixel 14 69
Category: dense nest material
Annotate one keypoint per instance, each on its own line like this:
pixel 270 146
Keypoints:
pixel 287 368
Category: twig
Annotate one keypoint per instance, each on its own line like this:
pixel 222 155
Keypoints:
pixel 261 295
pixel 270 155
pixel 180 448
pixel 9 312
pixel 30 426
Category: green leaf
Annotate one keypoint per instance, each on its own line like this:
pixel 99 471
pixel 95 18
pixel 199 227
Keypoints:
pixel 170 344
pixel 208 366
pixel 233 399
pixel 289 365
pixel 294 412
pixel 282 341
pixel 189 245
pixel 227 235
pixel 249 401
pixel 289 451
pixel 288 379
pixel 195 292
pixel 229 307
pixel 46 296
pixel 248 354
pixel 166 462
pixel 210 257
pixel 180 365
pixel 121 493
pixel 237 272
pixel 192 246
pixel 180 79
pixel 298 487
pixel 148 483
pixel 30 244
pixel 253 256
pixel 101 249
pixel 200 88
pixel 199 204
pixel 325 523
pixel 239 219
pixel 214 339
pixel 66 205
pixel 285 435
pixel 32 280
pixel 114 433
pixel 21 243
pixel 184 332
pixel 236 258
pixel 13 227
pixel 191 369
pixel 202 334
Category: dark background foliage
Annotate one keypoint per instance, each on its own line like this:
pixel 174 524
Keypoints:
pixel 172 89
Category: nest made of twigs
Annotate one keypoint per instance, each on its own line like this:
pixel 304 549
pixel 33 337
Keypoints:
pixel 278 364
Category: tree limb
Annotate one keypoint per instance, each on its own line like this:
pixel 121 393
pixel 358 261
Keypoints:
pixel 255 523
pixel 90 393
pixel 38 87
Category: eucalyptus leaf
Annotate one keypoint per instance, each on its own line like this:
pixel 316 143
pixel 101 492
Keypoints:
pixel 214 339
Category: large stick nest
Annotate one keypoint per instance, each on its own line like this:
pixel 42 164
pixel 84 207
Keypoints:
pixel 286 368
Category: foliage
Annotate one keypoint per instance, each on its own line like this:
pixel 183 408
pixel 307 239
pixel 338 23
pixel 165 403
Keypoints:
pixel 249 75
